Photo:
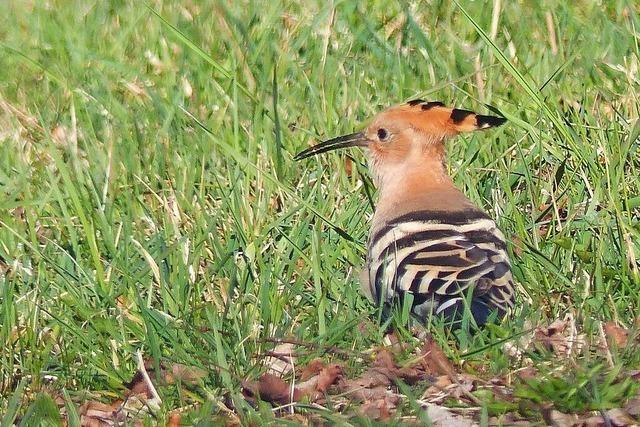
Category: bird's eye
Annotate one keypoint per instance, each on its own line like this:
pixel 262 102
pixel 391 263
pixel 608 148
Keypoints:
pixel 382 134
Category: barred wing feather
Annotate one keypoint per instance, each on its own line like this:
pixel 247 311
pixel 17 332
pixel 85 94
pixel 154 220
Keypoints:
pixel 436 257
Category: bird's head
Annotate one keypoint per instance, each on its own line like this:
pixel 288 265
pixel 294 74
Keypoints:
pixel 408 136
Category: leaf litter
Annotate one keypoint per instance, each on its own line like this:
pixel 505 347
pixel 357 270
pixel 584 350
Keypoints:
pixel 444 393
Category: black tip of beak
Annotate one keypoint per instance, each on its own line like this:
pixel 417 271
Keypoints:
pixel 352 140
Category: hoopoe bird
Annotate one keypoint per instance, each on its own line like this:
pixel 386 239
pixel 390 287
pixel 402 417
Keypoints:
pixel 427 239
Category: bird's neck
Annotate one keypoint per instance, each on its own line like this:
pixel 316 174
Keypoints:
pixel 410 186
pixel 414 174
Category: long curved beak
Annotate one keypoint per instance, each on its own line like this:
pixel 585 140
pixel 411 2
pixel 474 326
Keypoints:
pixel 357 139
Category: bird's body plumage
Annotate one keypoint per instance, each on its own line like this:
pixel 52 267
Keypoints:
pixel 427 238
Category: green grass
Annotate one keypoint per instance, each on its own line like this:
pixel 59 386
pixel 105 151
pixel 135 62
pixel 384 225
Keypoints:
pixel 149 201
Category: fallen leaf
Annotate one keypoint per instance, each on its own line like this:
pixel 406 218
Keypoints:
pixel 348 167
pixel 137 385
pixel 550 338
pixel 517 245
pixel 633 407
pixel 177 372
pixel 616 334
pixel 442 382
pixel 383 373
pixel 438 387
pixel 281 359
pixel 170 373
pixel 434 360
pixel 174 420
pixel 508 419
pixel 371 385
pixel 100 414
pixel 560 338
pixel 315 387
pixel 464 386
pixel 594 421
pixel 327 377
pixel 443 417
pixel 379 409
pixel 559 419
pixel 361 387
pixel 270 388
pixel 312 369
pixel 620 418
pixel 527 373
pixel 384 360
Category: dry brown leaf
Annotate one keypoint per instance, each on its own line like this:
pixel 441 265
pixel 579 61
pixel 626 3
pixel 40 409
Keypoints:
pixel 527 373
pixel 348 166
pixel 273 389
pixel 551 338
pixel 372 387
pixel 559 419
pixel 270 388
pixel 385 371
pixel 385 363
pixel 619 417
pixel 411 375
pixel 394 343
pixel 312 369
pixel 464 385
pixel 170 373
pixel 508 420
pixel 595 421
pixel 369 379
pixel 100 414
pixel 434 360
pixel 328 377
pixel 458 388
pixel 384 360
pixel 560 337
pixel 174 420
pixel 443 417
pixel 633 407
pixel 364 389
pixel 138 385
pixel 184 374
pixel 281 359
pixel 616 334
pixel 441 384
pixel 379 409
pixel 315 387
pixel 517 245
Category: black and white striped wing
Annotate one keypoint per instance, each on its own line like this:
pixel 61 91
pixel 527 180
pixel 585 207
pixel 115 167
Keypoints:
pixel 436 257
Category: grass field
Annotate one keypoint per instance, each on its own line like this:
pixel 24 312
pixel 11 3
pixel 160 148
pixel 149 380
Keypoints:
pixel 149 201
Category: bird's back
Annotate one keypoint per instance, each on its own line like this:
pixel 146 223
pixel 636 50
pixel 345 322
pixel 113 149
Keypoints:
pixel 445 258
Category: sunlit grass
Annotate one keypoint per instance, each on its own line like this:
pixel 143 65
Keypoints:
pixel 148 197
